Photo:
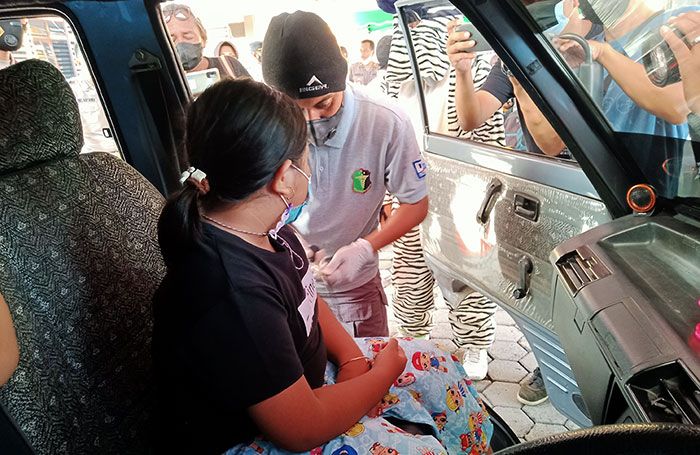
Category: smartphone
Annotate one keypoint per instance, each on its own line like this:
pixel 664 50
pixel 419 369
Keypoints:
pixel 481 44
pixel 202 80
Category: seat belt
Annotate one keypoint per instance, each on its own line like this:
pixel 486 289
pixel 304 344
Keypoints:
pixel 11 438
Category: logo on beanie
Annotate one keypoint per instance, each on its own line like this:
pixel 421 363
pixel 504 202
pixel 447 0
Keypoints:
pixel 313 85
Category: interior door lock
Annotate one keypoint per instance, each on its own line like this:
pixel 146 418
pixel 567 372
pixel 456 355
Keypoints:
pixel 526 207
pixel 525 269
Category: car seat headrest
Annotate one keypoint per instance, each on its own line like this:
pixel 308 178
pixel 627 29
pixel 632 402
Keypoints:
pixel 39 117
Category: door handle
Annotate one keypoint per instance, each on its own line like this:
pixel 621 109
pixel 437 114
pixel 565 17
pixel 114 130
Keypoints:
pixel 524 270
pixel 526 207
pixel 482 216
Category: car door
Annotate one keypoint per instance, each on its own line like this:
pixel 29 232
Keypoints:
pixel 616 309
pixel 497 209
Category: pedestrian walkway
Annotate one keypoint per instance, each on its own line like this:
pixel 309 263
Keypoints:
pixel 510 362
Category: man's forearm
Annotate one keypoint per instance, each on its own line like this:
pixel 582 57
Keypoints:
pixel 466 102
pixel 667 102
pixel 539 127
pixel 405 218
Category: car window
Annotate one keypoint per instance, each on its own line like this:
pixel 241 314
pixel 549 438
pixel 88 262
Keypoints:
pixel 51 38
pixel 616 52
pixel 454 88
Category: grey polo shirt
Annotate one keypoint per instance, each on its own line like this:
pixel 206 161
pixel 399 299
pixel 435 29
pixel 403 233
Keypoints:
pixel 373 151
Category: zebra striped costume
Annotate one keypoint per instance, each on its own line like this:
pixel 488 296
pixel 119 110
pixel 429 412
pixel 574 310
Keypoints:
pixel 471 317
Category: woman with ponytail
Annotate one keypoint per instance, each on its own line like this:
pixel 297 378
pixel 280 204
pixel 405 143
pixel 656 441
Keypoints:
pixel 241 340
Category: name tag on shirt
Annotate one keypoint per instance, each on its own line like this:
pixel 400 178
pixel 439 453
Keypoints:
pixel 308 306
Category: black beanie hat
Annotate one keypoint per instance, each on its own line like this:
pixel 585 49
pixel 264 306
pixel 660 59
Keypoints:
pixel 301 56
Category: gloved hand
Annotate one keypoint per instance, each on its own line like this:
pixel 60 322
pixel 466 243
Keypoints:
pixel 347 263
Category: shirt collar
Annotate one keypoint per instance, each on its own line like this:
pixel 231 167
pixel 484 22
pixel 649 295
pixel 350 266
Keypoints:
pixel 348 118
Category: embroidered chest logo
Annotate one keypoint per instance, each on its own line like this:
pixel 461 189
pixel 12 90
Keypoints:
pixel 361 181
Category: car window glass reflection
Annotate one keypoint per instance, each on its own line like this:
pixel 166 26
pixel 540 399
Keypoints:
pixel 51 39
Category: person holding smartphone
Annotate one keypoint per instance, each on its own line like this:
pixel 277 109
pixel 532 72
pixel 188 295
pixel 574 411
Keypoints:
pixel 688 57
pixel 190 37
pixel 474 107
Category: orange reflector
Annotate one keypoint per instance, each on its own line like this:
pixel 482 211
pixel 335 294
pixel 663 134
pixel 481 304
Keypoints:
pixel 641 198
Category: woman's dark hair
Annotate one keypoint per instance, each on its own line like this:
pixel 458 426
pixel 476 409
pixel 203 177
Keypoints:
pixel 239 132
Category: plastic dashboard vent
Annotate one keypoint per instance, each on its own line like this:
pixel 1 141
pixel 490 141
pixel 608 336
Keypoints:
pixel 580 268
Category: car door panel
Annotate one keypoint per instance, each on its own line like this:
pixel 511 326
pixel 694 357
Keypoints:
pixel 486 257
pixel 461 250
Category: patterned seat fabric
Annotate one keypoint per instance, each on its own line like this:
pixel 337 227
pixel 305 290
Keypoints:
pixel 79 263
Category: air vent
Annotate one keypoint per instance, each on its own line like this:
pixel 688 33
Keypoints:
pixel 667 394
pixel 580 268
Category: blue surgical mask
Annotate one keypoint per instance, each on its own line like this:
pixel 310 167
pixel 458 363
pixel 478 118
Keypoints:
pixel 562 20
pixel 291 213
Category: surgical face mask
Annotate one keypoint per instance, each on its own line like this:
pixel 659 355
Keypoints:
pixel 190 54
pixel 291 213
pixel 562 20
pixel 607 13
pixel 321 130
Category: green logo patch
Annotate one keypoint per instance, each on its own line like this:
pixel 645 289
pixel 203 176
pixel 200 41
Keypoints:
pixel 361 181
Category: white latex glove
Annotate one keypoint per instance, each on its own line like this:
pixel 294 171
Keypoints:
pixel 347 263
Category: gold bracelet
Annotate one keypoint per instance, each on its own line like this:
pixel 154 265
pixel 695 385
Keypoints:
pixel 352 360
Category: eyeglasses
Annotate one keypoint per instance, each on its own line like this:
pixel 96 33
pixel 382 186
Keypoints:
pixel 181 13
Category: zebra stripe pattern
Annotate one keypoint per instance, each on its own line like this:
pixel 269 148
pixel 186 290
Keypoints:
pixel 413 283
pixel 472 322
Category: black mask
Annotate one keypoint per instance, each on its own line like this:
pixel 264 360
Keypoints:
pixel 10 34
pixel 604 12
pixel 190 54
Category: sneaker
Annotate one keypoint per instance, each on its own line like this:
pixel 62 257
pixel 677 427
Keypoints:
pixel 476 363
pixel 532 392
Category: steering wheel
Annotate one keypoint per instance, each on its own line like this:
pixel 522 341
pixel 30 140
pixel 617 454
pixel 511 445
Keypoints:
pixel 619 439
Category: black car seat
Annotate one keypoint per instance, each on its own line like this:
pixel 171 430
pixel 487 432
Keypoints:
pixel 79 263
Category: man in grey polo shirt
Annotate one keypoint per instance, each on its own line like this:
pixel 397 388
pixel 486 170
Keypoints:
pixel 359 149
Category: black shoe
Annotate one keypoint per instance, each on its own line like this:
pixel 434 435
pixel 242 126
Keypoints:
pixel 532 392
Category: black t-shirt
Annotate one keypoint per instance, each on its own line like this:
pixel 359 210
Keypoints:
pixel 233 325
pixel 227 66
pixel 498 84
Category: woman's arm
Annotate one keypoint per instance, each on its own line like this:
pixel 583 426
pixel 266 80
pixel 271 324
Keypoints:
pixel 9 351
pixel 340 345
pixel 299 418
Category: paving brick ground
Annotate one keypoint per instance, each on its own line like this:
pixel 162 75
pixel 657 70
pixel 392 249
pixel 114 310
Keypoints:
pixel 510 362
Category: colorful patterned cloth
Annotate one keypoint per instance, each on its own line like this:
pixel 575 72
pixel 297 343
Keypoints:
pixel 433 390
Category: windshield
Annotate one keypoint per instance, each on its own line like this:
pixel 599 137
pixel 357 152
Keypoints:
pixel 619 51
